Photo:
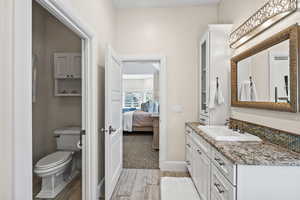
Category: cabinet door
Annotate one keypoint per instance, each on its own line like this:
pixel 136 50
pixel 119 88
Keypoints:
pixel 75 65
pixel 202 175
pixel 61 65
pixel 188 156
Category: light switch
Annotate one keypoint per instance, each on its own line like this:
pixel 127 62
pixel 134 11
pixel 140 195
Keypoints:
pixel 177 108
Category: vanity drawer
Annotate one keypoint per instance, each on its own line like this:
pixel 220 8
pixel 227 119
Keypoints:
pixel 201 144
pixel 221 188
pixel 227 168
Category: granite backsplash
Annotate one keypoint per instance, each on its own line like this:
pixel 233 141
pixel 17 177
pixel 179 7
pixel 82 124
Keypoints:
pixel 285 139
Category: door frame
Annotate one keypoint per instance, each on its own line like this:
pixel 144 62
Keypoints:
pixel 162 99
pixel 22 135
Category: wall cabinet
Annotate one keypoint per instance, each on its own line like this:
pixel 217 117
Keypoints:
pixel 67 74
pixel 214 54
pixel 67 65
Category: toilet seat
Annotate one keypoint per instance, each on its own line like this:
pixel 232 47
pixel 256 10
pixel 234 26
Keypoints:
pixel 53 160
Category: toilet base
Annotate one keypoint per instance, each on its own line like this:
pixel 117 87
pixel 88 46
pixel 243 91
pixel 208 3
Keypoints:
pixel 53 185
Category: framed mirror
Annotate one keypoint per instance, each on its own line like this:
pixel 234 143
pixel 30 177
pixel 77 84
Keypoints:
pixel 265 76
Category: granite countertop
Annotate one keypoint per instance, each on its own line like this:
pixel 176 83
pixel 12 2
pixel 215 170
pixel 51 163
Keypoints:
pixel 251 153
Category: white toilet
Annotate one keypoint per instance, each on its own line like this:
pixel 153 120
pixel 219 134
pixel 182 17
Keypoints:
pixel 59 168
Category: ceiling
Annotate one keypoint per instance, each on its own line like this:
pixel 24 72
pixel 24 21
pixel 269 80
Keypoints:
pixel 160 3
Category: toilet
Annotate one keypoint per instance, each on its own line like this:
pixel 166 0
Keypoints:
pixel 58 169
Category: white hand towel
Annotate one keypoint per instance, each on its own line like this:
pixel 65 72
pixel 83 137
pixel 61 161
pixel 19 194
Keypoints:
pixel 216 96
pixel 244 94
pixel 219 96
pixel 247 92
pixel 212 97
pixel 253 92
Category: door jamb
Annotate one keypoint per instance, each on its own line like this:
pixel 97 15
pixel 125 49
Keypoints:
pixel 22 135
pixel 163 99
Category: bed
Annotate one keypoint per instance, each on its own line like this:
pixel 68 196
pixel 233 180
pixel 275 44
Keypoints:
pixel 137 121
pixel 140 121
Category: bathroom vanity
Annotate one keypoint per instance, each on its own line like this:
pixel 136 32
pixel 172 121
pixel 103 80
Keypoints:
pixel 240 170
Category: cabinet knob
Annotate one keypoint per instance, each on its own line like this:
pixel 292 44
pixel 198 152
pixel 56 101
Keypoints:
pixel 219 161
pixel 199 151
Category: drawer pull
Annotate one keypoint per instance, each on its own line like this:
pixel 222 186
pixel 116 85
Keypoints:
pixel 188 162
pixel 188 145
pixel 221 163
pixel 218 186
pixel 199 152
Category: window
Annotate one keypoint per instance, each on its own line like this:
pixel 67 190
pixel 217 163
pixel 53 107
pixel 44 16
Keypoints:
pixel 134 99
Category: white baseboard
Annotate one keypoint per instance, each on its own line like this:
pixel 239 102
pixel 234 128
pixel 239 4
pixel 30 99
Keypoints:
pixel 100 189
pixel 174 166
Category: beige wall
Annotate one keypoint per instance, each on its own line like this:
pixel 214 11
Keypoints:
pixel 39 108
pixel 237 11
pixel 173 32
pixel 100 16
pixel 97 14
pixel 242 10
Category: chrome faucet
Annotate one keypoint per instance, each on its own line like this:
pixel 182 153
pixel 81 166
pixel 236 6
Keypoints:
pixel 227 123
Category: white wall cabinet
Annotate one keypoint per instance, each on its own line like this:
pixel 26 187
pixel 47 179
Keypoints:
pixel 214 54
pixel 67 74
pixel 67 65
pixel 217 178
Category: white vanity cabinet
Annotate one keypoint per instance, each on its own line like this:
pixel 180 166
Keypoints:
pixel 217 178
pixel 198 164
pixel 214 53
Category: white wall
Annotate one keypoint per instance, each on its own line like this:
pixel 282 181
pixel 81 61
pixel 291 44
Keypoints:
pixel 97 14
pixel 6 97
pixel 173 32
pixel 241 11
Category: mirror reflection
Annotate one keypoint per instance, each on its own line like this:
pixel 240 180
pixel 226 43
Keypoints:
pixel 265 76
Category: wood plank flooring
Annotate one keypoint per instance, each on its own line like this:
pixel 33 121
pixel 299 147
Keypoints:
pixel 141 184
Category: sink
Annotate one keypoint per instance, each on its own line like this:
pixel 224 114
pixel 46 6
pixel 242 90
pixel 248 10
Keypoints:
pixel 222 133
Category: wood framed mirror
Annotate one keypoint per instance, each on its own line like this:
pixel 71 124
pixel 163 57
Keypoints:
pixel 265 76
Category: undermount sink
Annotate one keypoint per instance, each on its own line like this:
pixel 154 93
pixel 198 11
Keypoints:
pixel 222 133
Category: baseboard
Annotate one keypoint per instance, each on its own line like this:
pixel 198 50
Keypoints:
pixel 174 166
pixel 100 189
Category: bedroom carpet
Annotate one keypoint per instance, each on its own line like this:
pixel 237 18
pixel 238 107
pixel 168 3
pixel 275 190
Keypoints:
pixel 138 152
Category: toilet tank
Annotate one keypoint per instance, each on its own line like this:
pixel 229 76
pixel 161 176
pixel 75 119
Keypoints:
pixel 67 138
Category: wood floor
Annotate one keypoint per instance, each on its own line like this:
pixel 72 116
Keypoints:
pixel 141 184
pixel 134 184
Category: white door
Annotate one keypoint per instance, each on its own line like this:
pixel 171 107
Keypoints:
pixel 113 121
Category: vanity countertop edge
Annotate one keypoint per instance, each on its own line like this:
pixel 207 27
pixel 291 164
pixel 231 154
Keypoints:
pixel 251 153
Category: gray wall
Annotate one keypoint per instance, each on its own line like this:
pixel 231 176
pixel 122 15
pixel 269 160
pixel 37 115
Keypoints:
pixel 50 112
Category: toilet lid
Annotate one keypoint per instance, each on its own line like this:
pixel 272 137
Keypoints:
pixel 54 159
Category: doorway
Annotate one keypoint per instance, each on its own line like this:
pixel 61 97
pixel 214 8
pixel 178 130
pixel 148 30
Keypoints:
pixel 24 95
pixel 56 108
pixel 141 114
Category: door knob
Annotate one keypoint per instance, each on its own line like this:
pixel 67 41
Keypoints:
pixel 111 130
